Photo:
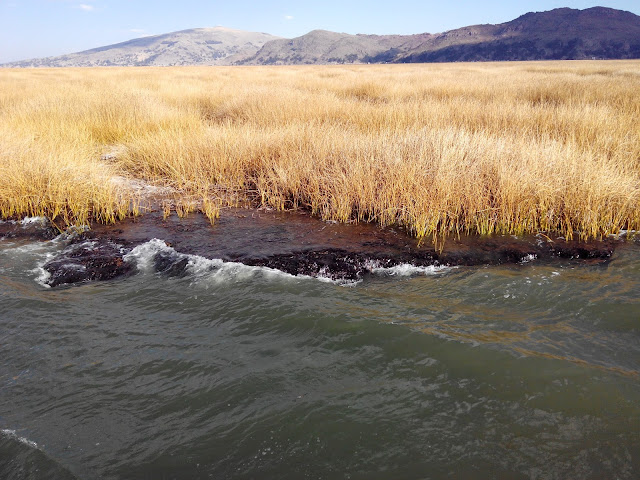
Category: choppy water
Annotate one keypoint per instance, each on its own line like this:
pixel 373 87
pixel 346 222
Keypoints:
pixel 524 371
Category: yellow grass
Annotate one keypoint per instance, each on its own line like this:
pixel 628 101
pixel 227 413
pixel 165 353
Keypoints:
pixel 437 149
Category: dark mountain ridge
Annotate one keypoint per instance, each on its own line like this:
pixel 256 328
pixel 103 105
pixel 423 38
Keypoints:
pixel 560 34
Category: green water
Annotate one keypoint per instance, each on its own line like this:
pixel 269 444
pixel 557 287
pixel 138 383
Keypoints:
pixel 526 371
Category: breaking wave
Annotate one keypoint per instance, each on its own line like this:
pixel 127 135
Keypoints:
pixel 156 256
pixel 11 434
pixel 406 269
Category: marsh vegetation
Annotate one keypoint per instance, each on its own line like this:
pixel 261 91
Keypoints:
pixel 437 149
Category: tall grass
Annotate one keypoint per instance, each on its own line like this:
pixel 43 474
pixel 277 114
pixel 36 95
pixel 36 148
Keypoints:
pixel 437 149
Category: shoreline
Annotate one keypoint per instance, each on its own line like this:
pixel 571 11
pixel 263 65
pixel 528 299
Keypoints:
pixel 294 243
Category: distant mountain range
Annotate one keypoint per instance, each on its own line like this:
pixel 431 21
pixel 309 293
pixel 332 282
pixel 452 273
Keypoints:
pixel 560 34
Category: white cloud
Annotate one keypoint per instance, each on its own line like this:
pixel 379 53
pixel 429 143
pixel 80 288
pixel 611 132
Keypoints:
pixel 288 17
pixel 85 7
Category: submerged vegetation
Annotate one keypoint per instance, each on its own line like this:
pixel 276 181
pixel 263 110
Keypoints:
pixel 437 149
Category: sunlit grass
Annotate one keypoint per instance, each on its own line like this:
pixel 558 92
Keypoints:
pixel 438 149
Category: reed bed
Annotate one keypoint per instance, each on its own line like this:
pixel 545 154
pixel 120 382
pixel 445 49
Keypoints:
pixel 507 148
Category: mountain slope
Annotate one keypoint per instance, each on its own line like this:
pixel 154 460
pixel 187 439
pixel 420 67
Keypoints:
pixel 321 46
pixel 562 33
pixel 199 46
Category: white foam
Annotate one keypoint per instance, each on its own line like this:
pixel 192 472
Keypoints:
pixel 406 269
pixel 24 257
pixel 528 258
pixel 142 255
pixel 38 253
pixel 44 251
pixel 42 247
pixel 219 271
pixel 623 233
pixel 26 221
pixel 325 276
pixel 29 248
pixel 86 245
pixel 14 436
pixel 42 276
pixel 199 266
pixel 213 270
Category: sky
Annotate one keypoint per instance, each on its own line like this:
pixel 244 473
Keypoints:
pixel 39 28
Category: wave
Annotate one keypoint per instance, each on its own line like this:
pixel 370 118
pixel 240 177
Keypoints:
pixel 157 256
pixel 11 434
pixel 47 251
pixel 42 252
pixel 407 269
pixel 71 259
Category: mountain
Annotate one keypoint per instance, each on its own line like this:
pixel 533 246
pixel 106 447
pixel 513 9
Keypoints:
pixel 198 46
pixel 563 33
pixel 321 46
pixel 560 34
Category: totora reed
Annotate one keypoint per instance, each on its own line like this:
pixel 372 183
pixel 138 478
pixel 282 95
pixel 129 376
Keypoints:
pixel 437 149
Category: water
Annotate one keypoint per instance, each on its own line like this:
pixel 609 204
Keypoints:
pixel 521 371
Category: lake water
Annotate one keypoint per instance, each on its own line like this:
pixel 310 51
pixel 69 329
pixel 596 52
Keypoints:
pixel 227 371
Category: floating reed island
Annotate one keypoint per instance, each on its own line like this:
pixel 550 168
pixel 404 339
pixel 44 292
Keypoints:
pixel 508 148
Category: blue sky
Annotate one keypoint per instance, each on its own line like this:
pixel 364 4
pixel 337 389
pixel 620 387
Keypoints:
pixel 38 28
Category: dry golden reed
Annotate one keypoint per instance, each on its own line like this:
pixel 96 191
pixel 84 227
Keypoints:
pixel 438 149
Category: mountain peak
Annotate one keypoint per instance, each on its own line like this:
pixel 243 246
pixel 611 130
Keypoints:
pixel 197 46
